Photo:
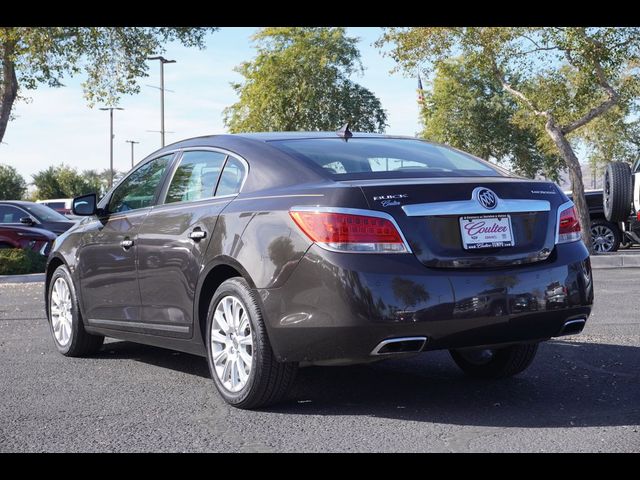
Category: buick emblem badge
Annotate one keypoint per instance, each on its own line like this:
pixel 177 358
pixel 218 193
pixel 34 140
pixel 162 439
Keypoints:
pixel 486 198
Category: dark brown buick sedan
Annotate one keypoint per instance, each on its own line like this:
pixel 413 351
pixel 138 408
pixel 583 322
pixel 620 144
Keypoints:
pixel 266 252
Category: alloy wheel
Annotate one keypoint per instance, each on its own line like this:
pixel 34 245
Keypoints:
pixel 602 238
pixel 232 343
pixel 60 306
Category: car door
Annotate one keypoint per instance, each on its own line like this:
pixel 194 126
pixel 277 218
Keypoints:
pixel 107 256
pixel 174 237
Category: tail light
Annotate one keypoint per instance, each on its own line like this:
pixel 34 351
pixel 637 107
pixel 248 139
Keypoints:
pixel 568 224
pixel 351 230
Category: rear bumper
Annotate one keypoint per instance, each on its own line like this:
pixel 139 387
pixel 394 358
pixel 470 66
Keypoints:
pixel 339 307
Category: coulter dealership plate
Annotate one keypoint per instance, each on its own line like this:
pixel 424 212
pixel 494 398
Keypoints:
pixel 486 231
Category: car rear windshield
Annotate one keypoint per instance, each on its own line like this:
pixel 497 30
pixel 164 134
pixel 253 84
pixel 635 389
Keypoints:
pixel 363 158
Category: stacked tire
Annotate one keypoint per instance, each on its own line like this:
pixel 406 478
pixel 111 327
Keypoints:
pixel 617 192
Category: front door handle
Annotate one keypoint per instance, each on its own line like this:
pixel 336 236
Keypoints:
pixel 126 243
pixel 197 234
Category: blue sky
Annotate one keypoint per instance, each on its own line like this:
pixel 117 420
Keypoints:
pixel 57 126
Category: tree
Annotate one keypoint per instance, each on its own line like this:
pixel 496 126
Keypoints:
pixel 300 81
pixel 112 59
pixel 65 182
pixel 468 109
pixel 12 185
pixel 561 78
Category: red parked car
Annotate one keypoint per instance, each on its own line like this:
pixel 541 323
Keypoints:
pixel 22 236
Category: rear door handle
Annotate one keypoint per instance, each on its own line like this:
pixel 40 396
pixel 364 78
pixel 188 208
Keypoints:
pixel 197 234
pixel 126 243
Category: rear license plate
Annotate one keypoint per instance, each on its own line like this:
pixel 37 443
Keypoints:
pixel 486 231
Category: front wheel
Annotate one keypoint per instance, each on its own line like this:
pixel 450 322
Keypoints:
pixel 241 361
pixel 65 321
pixel 495 363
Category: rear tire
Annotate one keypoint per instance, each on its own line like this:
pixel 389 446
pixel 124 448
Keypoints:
pixel 495 363
pixel 65 320
pixel 241 360
pixel 617 192
pixel 605 236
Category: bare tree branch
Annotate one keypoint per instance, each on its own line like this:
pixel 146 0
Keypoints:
pixel 516 93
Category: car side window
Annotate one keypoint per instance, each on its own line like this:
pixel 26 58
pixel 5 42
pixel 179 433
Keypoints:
pixel 231 178
pixel 196 177
pixel 138 190
pixel 9 214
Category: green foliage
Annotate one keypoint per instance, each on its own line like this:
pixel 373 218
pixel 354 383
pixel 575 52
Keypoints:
pixel 65 182
pixel 111 58
pixel 468 109
pixel 12 185
pixel 299 80
pixel 15 261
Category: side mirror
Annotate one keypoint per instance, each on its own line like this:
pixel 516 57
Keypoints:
pixel 27 221
pixel 85 205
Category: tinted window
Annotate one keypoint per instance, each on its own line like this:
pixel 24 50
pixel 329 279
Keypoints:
pixel 9 214
pixel 231 179
pixel 138 190
pixel 384 158
pixel 44 213
pixel 196 177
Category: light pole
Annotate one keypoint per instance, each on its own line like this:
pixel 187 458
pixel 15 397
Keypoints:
pixel 111 109
pixel 132 142
pixel 162 62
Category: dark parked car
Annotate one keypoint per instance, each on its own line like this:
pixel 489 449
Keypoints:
pixel 29 238
pixel 265 252
pixel 606 236
pixel 33 215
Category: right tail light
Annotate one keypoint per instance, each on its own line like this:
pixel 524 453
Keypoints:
pixel 568 225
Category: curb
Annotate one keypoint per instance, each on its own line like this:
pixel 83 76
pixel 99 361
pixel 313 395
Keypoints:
pixel 29 278
pixel 615 261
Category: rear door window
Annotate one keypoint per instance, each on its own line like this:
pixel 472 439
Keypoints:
pixel 196 177
pixel 232 178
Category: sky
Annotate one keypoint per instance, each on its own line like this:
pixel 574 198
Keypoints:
pixel 56 126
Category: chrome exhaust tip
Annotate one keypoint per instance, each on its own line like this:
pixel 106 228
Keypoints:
pixel 394 346
pixel 572 327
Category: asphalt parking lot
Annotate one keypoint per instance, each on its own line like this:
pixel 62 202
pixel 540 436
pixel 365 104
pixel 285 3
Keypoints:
pixel 582 394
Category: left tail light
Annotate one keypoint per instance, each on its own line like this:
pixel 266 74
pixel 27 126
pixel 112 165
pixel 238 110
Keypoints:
pixel 351 230
pixel 568 225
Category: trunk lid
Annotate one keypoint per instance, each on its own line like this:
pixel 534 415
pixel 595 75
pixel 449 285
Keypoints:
pixel 428 212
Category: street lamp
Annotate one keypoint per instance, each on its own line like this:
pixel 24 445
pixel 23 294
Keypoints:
pixel 132 142
pixel 111 109
pixel 162 62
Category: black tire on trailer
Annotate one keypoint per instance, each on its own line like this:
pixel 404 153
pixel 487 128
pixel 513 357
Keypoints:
pixel 617 191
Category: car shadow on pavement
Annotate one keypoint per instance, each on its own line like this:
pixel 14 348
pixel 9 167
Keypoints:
pixel 159 357
pixel 569 384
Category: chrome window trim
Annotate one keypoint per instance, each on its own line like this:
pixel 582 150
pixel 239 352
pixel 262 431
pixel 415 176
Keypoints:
pixel 353 211
pixel 472 207
pixel 228 154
